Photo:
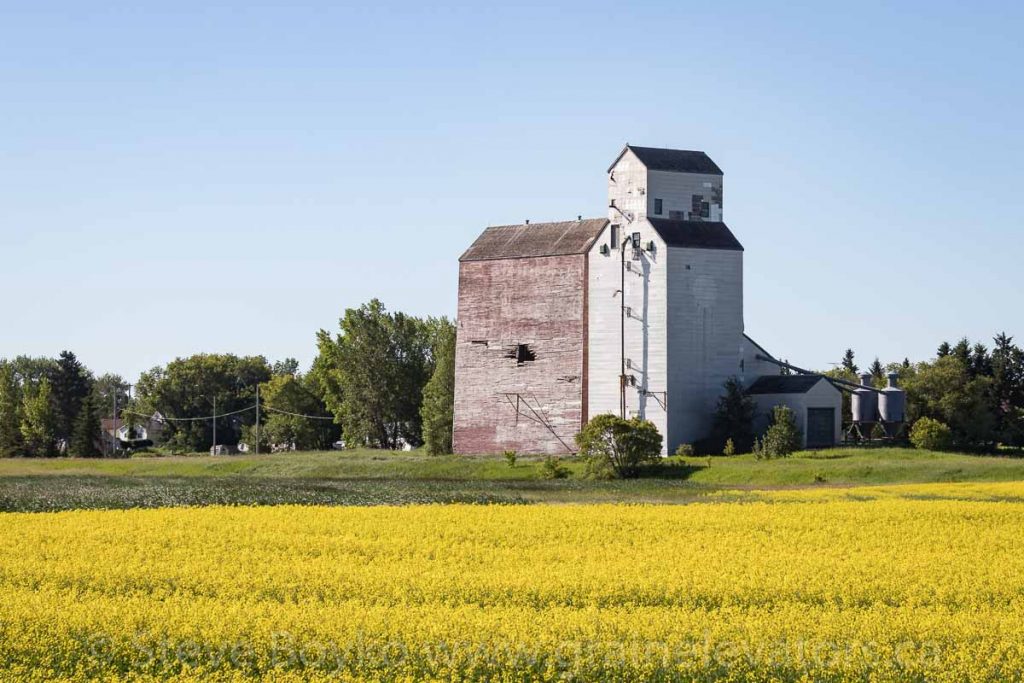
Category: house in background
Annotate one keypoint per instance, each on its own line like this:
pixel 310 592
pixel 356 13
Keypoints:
pixel 639 312
pixel 144 429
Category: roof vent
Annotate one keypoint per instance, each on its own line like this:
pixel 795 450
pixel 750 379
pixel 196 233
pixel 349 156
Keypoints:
pixel 527 221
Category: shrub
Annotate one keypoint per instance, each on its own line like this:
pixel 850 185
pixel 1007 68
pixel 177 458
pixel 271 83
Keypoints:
pixel 553 469
pixel 931 435
pixel 510 458
pixel 621 446
pixel 684 449
pixel 730 448
pixel 783 437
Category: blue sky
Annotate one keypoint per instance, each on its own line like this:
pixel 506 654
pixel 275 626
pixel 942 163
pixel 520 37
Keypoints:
pixel 192 176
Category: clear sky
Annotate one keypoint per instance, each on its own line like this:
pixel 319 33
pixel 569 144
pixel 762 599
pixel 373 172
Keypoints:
pixel 193 176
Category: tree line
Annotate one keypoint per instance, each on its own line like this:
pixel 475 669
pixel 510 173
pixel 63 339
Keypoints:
pixel 383 380
pixel 387 380
pixel 974 390
pixel 48 406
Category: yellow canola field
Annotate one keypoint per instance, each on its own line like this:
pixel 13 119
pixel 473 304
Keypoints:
pixel 918 586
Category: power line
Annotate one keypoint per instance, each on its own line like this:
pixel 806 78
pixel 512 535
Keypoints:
pixel 309 417
pixel 192 419
pixel 235 412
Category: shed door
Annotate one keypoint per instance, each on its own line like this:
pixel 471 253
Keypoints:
pixel 820 427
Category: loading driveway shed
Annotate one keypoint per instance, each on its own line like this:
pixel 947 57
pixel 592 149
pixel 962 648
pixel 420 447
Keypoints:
pixel 815 402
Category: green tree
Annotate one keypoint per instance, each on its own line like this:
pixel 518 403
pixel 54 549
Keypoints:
pixel 945 391
pixel 981 362
pixel 617 446
pixel 12 441
pixel 288 366
pixel 30 371
pixel 373 374
pixel 962 352
pixel 783 437
pixel 438 410
pixel 104 389
pixel 71 383
pixel 733 419
pixel 85 437
pixel 848 363
pixel 1008 390
pixel 189 387
pixel 39 421
pixel 877 373
pixel 285 400
pixel 931 435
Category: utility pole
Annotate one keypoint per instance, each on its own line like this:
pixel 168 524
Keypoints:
pixel 113 439
pixel 257 418
pixel 622 329
pixel 215 425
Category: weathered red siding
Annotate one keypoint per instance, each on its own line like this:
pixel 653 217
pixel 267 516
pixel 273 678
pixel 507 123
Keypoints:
pixel 536 301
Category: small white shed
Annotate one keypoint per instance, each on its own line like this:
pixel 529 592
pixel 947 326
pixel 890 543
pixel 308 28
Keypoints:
pixel 815 402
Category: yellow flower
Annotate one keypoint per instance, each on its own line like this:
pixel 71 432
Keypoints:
pixel 923 582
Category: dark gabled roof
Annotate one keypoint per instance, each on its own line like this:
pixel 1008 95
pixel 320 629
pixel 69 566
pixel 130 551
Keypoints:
pixel 696 234
pixel 677 160
pixel 784 384
pixel 535 239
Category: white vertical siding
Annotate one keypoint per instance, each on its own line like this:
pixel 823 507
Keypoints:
pixel 627 187
pixel 684 336
pixel 644 334
pixel 705 328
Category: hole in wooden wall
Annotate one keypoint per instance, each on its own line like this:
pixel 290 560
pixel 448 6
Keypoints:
pixel 521 353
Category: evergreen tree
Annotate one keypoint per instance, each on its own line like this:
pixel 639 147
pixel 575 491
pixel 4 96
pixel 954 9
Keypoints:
pixel 877 372
pixel 39 421
pixel 944 350
pixel 962 352
pixel 734 419
pixel 11 441
pixel 848 363
pixel 438 410
pixel 70 383
pixel 981 362
pixel 1008 389
pixel 85 437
